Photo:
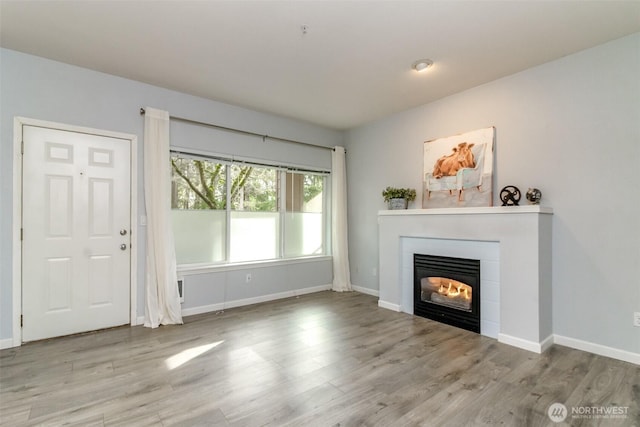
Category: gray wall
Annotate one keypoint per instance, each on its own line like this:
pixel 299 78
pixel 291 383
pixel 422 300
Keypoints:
pixel 570 127
pixel 42 89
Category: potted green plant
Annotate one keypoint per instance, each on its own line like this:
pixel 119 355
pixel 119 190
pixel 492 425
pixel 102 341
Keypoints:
pixel 398 198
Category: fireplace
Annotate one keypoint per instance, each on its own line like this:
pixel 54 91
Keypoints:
pixel 447 289
pixel 513 245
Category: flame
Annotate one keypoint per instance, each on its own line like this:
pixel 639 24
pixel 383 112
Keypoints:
pixel 457 290
pixel 453 292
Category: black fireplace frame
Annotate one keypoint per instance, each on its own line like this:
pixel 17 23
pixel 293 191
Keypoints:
pixel 460 269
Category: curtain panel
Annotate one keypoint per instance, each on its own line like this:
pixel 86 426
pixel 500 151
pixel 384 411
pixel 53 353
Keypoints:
pixel 339 231
pixel 162 301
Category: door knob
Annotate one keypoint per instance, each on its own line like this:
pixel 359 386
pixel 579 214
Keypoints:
pixel 123 247
pixel 123 232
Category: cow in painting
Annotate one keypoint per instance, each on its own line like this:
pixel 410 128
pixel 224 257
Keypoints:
pixel 449 165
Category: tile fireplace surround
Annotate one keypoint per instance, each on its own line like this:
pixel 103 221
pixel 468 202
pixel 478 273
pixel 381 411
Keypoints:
pixel 513 245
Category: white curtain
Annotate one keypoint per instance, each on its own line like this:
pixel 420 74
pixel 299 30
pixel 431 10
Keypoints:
pixel 339 232
pixel 162 305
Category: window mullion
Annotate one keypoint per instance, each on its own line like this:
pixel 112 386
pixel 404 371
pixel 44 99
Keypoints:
pixel 227 234
pixel 326 215
pixel 282 197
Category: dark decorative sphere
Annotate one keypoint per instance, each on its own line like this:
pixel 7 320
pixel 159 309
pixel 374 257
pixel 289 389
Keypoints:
pixel 510 195
pixel 534 195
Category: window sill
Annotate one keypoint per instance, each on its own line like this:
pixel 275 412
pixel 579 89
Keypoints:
pixel 191 269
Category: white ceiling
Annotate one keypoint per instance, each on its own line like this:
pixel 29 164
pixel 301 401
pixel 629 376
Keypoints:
pixel 352 65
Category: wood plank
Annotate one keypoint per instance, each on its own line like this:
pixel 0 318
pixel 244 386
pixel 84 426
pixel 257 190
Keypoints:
pixel 320 359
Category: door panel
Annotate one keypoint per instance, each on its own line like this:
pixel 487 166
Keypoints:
pixel 76 199
pixel 100 207
pixel 57 286
pixel 59 205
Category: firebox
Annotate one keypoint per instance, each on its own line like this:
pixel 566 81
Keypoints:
pixel 447 289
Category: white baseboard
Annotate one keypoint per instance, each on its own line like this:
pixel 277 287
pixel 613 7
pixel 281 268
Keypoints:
pixel 389 306
pixel 524 344
pixel 7 343
pixel 202 309
pixel 255 300
pixel 364 290
pixel 192 311
pixel 602 350
pixel 546 343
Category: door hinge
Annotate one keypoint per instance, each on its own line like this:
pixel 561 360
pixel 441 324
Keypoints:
pixel 21 320
pixel 21 234
pixel 22 147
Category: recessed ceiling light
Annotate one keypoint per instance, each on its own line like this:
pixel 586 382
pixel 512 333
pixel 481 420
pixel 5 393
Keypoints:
pixel 422 65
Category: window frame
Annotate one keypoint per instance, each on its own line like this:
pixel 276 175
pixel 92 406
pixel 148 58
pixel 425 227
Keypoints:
pixel 281 171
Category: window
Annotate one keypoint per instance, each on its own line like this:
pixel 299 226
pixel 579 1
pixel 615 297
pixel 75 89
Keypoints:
pixel 304 220
pixel 255 221
pixel 199 217
pixel 226 211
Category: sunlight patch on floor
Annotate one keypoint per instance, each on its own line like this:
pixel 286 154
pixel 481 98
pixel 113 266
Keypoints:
pixel 183 357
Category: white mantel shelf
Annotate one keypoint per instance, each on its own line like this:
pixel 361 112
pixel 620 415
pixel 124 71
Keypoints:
pixel 514 242
pixel 469 211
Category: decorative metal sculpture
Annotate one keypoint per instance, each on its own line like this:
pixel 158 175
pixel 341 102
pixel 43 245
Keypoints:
pixel 510 195
pixel 534 195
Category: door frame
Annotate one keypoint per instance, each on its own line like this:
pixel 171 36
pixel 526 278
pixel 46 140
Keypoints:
pixel 18 123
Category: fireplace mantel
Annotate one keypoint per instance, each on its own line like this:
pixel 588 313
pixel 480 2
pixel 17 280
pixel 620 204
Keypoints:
pixel 470 211
pixel 522 235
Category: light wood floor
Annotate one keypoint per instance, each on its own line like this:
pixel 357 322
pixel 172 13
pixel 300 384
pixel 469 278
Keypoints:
pixel 325 359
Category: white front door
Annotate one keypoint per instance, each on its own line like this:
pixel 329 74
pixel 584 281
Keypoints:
pixel 76 232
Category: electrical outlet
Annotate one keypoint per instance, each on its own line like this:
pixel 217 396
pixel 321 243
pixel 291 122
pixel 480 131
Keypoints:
pixel 636 318
pixel 248 278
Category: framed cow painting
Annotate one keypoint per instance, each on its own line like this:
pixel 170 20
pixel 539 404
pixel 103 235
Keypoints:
pixel 458 170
